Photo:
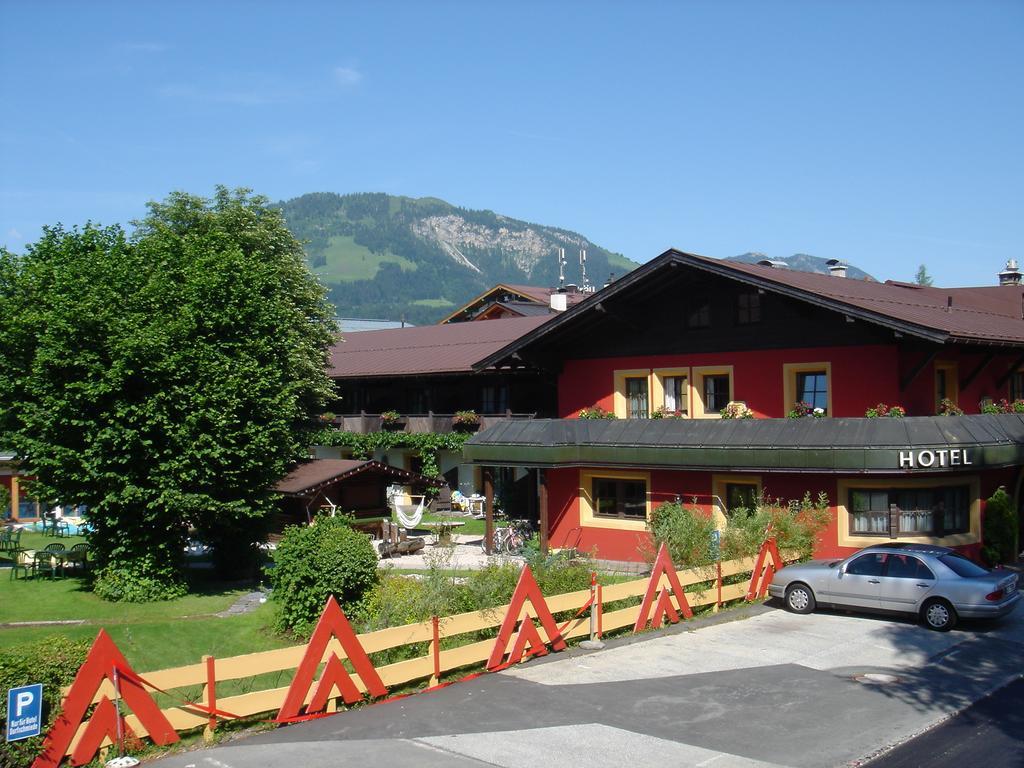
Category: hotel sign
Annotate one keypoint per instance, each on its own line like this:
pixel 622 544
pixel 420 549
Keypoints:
pixel 935 458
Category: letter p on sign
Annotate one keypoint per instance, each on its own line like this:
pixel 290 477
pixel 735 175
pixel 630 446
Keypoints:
pixel 24 712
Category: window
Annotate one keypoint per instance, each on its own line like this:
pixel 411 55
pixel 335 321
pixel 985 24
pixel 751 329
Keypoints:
pixel 676 395
pixel 622 499
pixel 631 393
pixel 748 308
pixel 712 390
pixel 871 564
pixel 716 392
pixel 946 385
pixel 700 317
pixel 494 399
pixel 961 566
pixel 807 383
pixel 812 388
pixel 636 398
pixel 740 496
pixel 907 567
pixel 1017 385
pixel 910 511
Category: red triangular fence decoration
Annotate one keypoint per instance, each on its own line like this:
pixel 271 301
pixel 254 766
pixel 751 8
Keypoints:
pixel 764 571
pixel 662 567
pixel 99 665
pixel 526 589
pixel 102 725
pixel 334 675
pixel 527 642
pixel 332 623
pixel 664 610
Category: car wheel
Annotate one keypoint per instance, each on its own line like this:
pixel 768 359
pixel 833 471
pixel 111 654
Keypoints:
pixel 799 598
pixel 939 615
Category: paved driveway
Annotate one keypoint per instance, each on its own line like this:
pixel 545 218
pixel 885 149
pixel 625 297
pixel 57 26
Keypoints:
pixel 770 689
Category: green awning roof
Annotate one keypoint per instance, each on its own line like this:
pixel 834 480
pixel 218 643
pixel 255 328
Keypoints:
pixel 883 445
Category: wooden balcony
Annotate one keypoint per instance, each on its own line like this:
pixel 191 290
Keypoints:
pixel 418 423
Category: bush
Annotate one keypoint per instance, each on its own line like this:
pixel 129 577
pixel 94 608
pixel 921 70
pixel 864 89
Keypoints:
pixel 52 661
pixel 686 532
pixel 999 531
pixel 795 525
pixel 313 562
pixel 596 412
pixel 138 581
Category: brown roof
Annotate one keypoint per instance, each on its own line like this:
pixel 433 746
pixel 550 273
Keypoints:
pixel 428 349
pixel 531 293
pixel 984 315
pixel 310 476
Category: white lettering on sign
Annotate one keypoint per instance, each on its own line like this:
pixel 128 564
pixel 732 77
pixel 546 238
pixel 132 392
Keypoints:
pixel 940 457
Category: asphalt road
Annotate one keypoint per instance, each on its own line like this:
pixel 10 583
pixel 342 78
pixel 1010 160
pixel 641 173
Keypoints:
pixel 772 689
pixel 988 733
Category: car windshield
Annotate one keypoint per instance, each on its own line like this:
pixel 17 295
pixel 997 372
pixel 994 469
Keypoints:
pixel 962 566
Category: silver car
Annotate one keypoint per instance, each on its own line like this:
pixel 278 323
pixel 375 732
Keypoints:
pixel 936 583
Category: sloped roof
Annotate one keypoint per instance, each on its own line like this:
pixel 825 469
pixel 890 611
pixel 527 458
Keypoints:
pixel 529 293
pixel 309 477
pixel 982 315
pixel 428 349
pixel 856 445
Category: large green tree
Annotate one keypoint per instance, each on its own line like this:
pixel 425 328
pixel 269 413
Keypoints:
pixel 166 380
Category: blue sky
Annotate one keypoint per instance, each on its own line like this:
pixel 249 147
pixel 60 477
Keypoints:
pixel 888 134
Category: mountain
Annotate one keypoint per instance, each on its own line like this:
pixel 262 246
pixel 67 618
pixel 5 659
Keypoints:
pixel 802 262
pixel 382 256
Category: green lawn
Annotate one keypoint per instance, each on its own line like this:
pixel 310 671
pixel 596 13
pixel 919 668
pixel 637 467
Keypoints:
pixel 348 261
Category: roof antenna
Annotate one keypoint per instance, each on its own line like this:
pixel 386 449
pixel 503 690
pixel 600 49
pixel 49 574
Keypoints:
pixel 561 267
pixel 583 270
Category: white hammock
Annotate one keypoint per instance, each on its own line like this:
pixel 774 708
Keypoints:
pixel 409 515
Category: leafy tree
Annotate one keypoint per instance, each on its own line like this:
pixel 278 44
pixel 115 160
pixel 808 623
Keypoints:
pixel 922 277
pixel 164 380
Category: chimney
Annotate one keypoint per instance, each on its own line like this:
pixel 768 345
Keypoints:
pixel 559 301
pixel 1011 275
pixel 836 268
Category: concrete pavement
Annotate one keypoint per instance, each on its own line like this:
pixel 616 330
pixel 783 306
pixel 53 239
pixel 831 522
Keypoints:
pixel 773 689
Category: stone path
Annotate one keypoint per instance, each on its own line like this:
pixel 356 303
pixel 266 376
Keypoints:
pixel 245 604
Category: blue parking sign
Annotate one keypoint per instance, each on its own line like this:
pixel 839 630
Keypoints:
pixel 24 712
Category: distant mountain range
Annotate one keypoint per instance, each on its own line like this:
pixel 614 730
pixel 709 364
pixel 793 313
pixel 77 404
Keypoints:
pixel 388 257
pixel 417 259
pixel 801 262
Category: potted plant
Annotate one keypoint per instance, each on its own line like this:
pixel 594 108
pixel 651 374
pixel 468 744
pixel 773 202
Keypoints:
pixel 736 410
pixel 595 412
pixel 662 412
pixel 391 420
pixel 466 421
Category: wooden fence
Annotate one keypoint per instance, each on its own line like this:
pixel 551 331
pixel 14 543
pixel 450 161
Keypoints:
pixel 665 592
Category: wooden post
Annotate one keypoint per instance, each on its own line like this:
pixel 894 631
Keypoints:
pixel 488 474
pixel 435 648
pixel 211 697
pixel 542 481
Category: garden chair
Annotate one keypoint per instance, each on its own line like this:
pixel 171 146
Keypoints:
pixel 51 558
pixel 24 562
pixel 443 503
pixel 78 557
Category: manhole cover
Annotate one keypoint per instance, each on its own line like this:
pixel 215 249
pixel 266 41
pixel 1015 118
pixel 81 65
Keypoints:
pixel 876 678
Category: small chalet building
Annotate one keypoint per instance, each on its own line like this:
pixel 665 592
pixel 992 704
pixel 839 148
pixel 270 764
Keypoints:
pixel 669 345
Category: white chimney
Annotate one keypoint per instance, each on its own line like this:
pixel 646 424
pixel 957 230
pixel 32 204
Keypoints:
pixel 836 268
pixel 559 301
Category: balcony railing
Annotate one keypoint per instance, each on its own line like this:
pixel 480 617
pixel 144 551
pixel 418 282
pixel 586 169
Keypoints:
pixel 364 422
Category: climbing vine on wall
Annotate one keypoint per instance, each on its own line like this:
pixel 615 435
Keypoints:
pixel 426 445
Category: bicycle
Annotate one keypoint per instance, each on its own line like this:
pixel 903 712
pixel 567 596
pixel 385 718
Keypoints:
pixel 509 539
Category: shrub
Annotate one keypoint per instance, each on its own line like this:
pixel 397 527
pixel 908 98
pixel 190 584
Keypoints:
pixel 736 411
pixel 465 419
pixel 138 581
pixel 316 561
pixel 999 531
pixel 390 418
pixel 795 525
pixel 948 408
pixel 802 409
pixel 686 532
pixel 596 412
pixel 52 661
